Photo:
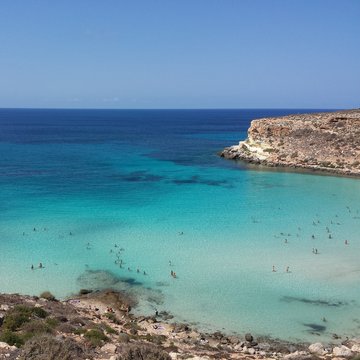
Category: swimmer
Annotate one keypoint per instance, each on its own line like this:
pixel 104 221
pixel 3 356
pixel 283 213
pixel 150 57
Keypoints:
pixel 273 268
pixel 286 241
pixel 32 267
pixel 330 237
pixel 137 270
pixel 40 266
pixel 34 229
pixel 313 236
pixel 287 269
pixel 145 272
pixel 346 242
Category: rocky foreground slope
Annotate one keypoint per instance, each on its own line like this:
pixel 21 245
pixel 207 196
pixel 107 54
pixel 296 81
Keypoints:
pixel 100 326
pixel 328 141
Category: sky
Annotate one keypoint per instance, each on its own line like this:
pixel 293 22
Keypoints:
pixel 180 54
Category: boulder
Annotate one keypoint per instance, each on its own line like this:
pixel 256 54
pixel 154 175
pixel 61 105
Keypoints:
pixel 249 337
pixel 298 355
pixel 317 349
pixel 342 351
pixel 355 348
pixel 109 348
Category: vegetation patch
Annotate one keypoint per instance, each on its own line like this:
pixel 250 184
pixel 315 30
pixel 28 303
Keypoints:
pixel 96 337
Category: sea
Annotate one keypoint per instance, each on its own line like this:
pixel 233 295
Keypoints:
pixel 97 199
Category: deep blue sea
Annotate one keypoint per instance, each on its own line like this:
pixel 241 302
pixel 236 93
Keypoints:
pixel 120 198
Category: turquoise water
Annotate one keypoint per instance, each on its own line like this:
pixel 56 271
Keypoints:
pixel 147 187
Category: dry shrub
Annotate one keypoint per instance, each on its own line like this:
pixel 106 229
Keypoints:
pixel 142 352
pixel 46 347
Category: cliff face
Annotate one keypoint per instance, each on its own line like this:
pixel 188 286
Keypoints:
pixel 322 141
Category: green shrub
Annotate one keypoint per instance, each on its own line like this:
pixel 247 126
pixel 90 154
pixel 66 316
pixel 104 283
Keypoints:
pixel 16 317
pixel 39 312
pixel 48 296
pixel 80 331
pixel 96 337
pixel 108 329
pixel 11 338
pixel 113 318
pixel 52 322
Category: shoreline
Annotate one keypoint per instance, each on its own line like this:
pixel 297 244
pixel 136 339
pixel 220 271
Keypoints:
pixel 109 313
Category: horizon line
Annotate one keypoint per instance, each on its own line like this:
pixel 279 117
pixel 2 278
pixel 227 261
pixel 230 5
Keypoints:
pixel 157 109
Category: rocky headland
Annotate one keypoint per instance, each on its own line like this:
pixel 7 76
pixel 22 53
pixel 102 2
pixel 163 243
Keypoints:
pixel 99 325
pixel 328 142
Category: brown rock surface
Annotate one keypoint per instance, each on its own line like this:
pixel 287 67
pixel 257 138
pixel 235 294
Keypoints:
pixel 320 141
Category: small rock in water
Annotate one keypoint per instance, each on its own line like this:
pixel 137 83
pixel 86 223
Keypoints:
pixel 249 337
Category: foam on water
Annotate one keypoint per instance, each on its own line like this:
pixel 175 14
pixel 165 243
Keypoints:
pixel 221 226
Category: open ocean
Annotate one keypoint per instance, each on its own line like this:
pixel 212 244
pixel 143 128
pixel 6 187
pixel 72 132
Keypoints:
pixel 91 193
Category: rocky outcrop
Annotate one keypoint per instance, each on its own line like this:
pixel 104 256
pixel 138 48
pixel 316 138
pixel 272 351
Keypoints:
pixel 321 141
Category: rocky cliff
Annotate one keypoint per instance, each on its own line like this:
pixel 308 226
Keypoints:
pixel 321 141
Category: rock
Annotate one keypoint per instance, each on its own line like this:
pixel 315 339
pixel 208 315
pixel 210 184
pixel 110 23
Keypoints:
pixel 251 351
pixel 109 348
pixel 355 348
pixel 298 355
pixel 249 337
pixel 2 316
pixel 124 338
pixel 133 331
pixel 317 349
pixel 173 355
pixel 4 307
pixel 342 351
pixel 224 341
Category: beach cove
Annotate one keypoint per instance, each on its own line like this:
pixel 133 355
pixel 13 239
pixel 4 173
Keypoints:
pixel 122 198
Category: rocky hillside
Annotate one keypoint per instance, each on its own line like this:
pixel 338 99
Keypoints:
pixel 321 141
pixel 100 326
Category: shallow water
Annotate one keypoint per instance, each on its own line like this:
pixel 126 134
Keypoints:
pixel 150 183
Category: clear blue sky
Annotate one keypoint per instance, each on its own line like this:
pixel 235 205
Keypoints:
pixel 180 53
